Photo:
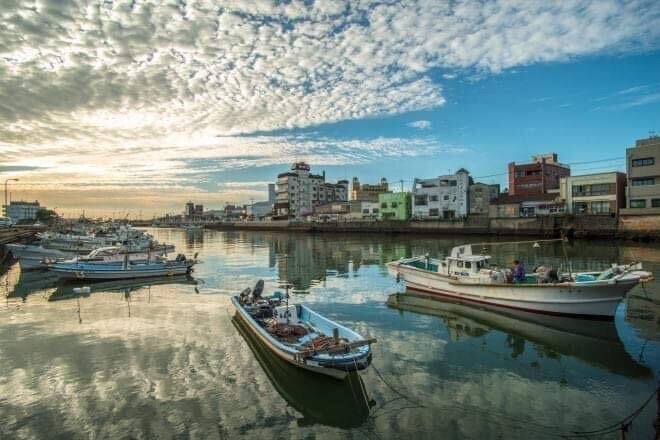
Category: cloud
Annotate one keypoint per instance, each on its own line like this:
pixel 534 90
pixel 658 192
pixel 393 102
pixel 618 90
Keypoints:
pixel 160 80
pixel 144 176
pixel 420 125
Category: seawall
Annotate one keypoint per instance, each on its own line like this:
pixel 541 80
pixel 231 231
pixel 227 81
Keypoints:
pixel 588 226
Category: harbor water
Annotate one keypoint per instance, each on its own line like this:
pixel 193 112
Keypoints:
pixel 163 358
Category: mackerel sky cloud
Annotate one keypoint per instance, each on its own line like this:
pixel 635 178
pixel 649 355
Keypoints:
pixel 162 93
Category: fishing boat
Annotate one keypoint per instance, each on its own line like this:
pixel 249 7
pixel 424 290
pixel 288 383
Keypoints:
pixel 344 405
pixel 469 276
pixel 127 270
pixel 32 256
pixel 300 336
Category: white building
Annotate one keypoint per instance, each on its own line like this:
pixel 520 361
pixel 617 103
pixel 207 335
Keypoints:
pixel 299 191
pixel 443 197
pixel 18 211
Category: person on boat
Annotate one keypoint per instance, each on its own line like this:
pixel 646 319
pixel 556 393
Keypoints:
pixel 518 272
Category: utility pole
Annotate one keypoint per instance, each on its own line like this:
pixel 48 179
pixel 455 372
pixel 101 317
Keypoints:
pixel 6 183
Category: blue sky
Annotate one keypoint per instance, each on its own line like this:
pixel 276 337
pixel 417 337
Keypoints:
pixel 587 109
pixel 140 105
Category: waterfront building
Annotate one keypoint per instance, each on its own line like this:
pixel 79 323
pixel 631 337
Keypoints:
pixel 364 210
pixel 189 209
pixel 395 206
pixel 333 211
pixel 643 166
pixel 538 177
pixel 21 211
pixel 259 210
pixel 199 209
pixel 507 205
pixel 366 192
pixel 233 212
pixel 443 197
pixel 600 193
pixel 299 191
pixel 480 196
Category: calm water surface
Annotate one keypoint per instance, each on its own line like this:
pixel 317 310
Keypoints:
pixel 165 359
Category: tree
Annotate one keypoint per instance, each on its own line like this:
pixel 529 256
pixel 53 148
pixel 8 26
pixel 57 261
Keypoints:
pixel 46 215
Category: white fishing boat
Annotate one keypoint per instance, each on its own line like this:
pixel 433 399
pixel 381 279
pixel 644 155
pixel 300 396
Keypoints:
pixel 127 270
pixel 116 254
pixel 300 336
pixel 32 256
pixel 470 277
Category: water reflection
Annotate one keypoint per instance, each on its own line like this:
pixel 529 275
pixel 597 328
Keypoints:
pixel 70 290
pixel 323 400
pixel 79 366
pixel 595 342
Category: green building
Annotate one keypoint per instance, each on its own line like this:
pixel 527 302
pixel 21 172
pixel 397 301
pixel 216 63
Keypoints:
pixel 395 206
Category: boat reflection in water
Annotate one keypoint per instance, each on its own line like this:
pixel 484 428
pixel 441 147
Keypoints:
pixel 70 290
pixel 593 341
pixel 321 400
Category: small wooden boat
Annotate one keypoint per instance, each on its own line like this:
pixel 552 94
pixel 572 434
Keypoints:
pixel 469 276
pixel 300 336
pixel 345 404
pixel 128 270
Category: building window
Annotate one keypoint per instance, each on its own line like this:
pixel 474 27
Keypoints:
pixel 434 212
pixel 596 189
pixel 638 203
pixel 600 207
pixel 655 203
pixel 421 200
pixel 383 205
pixel 643 162
pixel 445 197
pixel 453 183
pixel 433 198
pixel 643 181
pixel 395 205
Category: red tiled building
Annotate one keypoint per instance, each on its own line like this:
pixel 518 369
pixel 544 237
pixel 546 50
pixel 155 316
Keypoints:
pixel 538 177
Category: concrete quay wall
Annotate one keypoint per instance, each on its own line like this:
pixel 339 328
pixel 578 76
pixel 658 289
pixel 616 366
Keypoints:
pixel 589 226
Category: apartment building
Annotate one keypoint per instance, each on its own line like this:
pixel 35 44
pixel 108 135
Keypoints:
pixel 643 166
pixel 367 192
pixel 480 196
pixel 600 193
pixel 540 176
pixel 299 191
pixel 443 197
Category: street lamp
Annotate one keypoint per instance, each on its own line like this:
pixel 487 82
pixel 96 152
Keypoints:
pixel 7 207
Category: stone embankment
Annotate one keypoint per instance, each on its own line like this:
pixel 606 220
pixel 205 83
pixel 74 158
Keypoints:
pixel 588 226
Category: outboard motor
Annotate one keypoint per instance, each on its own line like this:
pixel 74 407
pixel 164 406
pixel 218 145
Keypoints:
pixel 245 295
pixel 258 290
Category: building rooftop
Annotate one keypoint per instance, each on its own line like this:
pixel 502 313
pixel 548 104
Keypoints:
pixel 650 141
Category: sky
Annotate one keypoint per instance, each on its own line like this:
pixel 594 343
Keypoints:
pixel 134 107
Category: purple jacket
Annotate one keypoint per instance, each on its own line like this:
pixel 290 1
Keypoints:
pixel 518 272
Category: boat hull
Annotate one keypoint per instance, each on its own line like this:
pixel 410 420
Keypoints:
pixel 118 273
pixel 31 257
pixel 563 299
pixel 338 369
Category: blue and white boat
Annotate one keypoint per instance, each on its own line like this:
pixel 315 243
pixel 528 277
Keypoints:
pixel 300 336
pixel 85 270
